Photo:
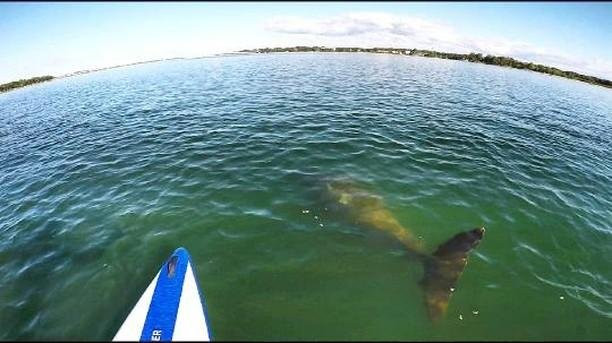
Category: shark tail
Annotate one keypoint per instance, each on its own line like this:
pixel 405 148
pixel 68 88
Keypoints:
pixel 443 268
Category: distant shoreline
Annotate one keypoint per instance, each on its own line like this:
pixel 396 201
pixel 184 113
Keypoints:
pixel 472 57
pixel 38 79
pixel 501 61
pixel 24 82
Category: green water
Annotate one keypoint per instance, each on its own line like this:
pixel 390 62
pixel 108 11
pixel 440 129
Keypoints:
pixel 102 176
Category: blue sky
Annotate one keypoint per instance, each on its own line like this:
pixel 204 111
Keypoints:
pixel 58 38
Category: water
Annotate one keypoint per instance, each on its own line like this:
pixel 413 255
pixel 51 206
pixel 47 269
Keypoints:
pixel 102 176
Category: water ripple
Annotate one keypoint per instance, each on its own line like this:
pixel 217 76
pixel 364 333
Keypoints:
pixel 223 155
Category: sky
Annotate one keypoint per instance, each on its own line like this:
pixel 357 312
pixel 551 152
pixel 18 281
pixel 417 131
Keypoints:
pixel 59 38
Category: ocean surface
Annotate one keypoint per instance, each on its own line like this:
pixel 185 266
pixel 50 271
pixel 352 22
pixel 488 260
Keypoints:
pixel 103 175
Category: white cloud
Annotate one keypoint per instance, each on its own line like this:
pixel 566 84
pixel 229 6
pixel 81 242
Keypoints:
pixel 364 23
pixel 369 29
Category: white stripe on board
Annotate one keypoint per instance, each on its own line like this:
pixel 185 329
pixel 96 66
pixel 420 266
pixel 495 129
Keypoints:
pixel 190 321
pixel 131 329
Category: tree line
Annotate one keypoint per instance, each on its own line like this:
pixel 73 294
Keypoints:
pixel 24 82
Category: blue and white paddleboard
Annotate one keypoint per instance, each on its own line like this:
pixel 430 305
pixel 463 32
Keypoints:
pixel 171 308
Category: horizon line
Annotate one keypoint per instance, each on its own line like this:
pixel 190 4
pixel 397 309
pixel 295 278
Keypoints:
pixel 256 50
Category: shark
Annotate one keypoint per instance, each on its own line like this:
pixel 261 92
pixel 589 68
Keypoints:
pixel 442 267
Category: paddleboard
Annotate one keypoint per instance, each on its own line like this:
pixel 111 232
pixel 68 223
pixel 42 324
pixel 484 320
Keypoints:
pixel 171 308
